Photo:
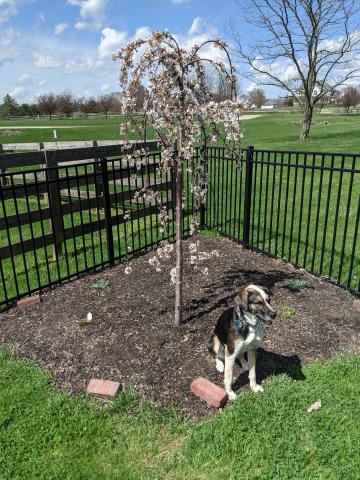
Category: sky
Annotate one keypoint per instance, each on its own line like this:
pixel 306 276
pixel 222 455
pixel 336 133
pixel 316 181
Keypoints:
pixel 58 45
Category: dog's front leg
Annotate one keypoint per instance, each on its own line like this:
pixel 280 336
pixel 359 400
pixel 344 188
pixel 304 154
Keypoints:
pixel 252 372
pixel 228 376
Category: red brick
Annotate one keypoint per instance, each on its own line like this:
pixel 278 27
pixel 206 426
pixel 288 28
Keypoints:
pixel 28 301
pixel 209 392
pixel 102 388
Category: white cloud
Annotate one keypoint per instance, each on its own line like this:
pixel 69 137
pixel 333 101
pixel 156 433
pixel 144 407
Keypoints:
pixel 42 83
pixel 7 9
pixel 196 26
pixel 92 13
pixel 111 40
pixel 179 2
pixel 251 87
pixel 18 93
pixel 81 64
pixel 9 48
pixel 87 26
pixel 24 77
pixel 45 61
pixel 142 32
pixel 60 28
pixel 105 87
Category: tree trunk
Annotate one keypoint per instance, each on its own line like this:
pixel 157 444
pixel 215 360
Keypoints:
pixel 179 256
pixel 308 114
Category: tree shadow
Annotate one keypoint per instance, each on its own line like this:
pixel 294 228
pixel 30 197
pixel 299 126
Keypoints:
pixel 271 363
pixel 228 286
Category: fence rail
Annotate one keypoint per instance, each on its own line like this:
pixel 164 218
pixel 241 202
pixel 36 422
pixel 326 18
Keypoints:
pixel 71 217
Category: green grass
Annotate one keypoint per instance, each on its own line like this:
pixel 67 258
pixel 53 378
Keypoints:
pixel 292 218
pixel 46 434
pixel 271 130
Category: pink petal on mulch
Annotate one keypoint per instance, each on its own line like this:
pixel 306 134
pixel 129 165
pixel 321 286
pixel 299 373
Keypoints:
pixel 315 406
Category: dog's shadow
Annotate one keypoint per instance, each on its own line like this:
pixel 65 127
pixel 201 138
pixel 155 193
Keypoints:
pixel 270 363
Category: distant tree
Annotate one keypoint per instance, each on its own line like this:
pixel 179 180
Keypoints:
pixel 257 97
pixel 87 105
pixel 116 105
pixel 106 103
pixel 28 109
pixel 47 104
pixel 288 101
pixel 140 97
pixel 9 106
pixel 350 98
pixel 222 89
pixel 66 104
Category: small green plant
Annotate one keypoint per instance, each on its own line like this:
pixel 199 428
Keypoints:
pixel 100 284
pixel 297 285
pixel 287 313
pixel 82 323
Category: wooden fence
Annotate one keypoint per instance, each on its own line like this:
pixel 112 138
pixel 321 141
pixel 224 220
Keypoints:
pixel 80 193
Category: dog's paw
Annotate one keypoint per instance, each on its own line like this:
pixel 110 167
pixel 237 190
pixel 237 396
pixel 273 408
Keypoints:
pixel 257 388
pixel 220 366
pixel 232 395
pixel 245 365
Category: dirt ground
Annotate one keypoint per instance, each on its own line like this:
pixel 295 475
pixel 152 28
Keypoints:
pixel 131 337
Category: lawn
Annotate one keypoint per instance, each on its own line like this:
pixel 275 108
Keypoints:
pixel 271 130
pixel 47 434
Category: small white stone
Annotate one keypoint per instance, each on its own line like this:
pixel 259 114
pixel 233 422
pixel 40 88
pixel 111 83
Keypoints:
pixel 89 317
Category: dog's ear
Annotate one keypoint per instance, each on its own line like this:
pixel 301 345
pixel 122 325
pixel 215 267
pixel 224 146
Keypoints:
pixel 241 300
pixel 266 290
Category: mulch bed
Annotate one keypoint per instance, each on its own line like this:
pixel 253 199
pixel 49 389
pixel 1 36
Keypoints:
pixel 132 339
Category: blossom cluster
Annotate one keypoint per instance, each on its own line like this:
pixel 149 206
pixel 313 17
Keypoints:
pixel 178 104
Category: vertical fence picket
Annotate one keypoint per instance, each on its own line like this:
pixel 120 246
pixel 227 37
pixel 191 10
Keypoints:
pixel 248 195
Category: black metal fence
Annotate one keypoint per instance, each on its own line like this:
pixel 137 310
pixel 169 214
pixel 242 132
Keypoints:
pixel 59 222
pixel 299 206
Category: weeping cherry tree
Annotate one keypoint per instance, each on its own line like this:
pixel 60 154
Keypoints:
pixel 178 106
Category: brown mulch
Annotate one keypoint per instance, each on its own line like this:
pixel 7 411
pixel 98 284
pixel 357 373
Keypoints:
pixel 132 339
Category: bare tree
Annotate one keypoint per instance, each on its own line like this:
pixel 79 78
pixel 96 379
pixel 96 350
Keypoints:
pixel 257 97
pixel 66 103
pixel 222 89
pixel 350 98
pixel 140 97
pixel 87 105
pixel 47 104
pixel 303 44
pixel 105 103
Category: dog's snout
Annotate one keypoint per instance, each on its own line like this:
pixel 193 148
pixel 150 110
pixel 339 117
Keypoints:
pixel 273 315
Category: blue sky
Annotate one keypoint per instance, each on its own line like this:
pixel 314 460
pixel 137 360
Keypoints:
pixel 54 45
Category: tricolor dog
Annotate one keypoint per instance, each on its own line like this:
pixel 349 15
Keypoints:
pixel 239 330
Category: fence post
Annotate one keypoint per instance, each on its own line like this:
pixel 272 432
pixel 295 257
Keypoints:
pixel 3 180
pixel 107 210
pixel 248 191
pixel 54 200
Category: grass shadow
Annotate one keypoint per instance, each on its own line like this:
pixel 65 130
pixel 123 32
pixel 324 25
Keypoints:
pixel 271 363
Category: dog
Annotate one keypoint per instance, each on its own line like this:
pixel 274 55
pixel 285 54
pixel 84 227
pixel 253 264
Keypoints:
pixel 239 331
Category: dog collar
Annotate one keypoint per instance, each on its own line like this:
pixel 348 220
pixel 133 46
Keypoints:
pixel 237 318
pixel 240 320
